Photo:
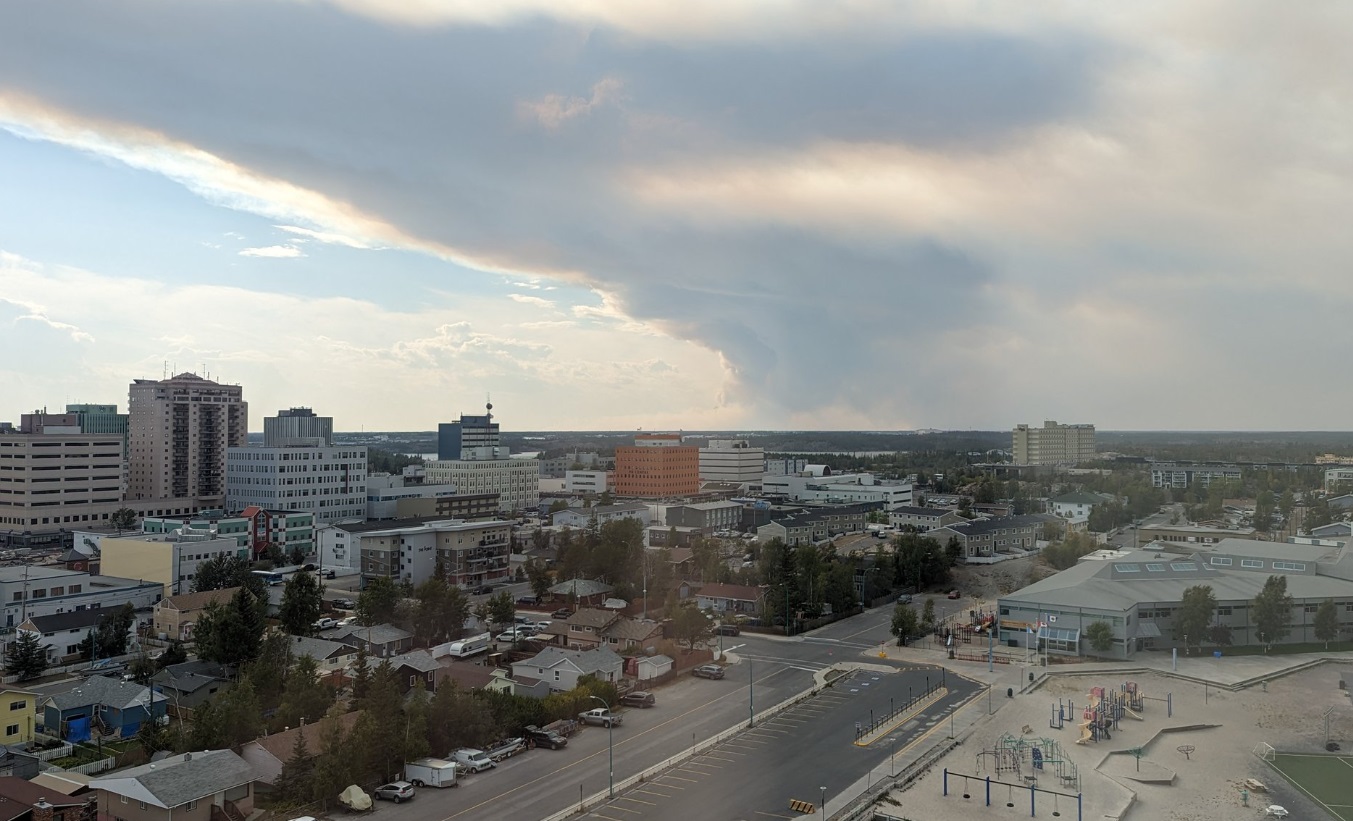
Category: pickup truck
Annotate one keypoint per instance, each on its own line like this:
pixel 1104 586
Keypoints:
pixel 601 717
pixel 545 738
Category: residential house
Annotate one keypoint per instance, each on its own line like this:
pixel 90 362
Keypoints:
pixel 62 633
pixel 816 524
pixel 101 705
pixel 331 657
pixel 213 785
pixel 580 517
pixel 20 764
pixel 1077 506
pixel 561 669
pixel 921 519
pixel 267 754
pixel 176 615
pixel 505 681
pixel 984 539
pixel 464 675
pixel 1334 530
pixel 379 640
pixel 20 711
pixel 581 592
pixel 190 684
pixel 415 666
pixel 590 628
pixel 730 598
pixel 21 800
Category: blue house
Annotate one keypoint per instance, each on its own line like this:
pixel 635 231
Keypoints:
pixel 102 706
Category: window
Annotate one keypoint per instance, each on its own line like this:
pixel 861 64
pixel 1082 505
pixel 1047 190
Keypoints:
pixel 1183 566
pixel 192 805
pixel 1289 566
pixel 1155 567
pixel 1223 611
pixel 124 798
pixel 12 729
pixel 1253 564
pixel 1127 568
pixel 18 705
pixel 1221 561
pixel 140 805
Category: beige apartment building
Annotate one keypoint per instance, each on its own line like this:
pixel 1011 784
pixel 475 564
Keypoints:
pixel 1053 444
pixel 179 430
pixel 53 476
pixel 168 558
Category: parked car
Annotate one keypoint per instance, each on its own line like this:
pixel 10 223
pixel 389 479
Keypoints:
pixel 396 791
pixel 638 698
pixel 528 601
pixel 601 717
pixel 515 634
pixel 482 590
pixel 954 594
pixel 329 574
pixel 542 626
pixel 708 671
pixel 325 623
pixel 545 738
pixel 345 604
pixel 561 613
pixel 729 629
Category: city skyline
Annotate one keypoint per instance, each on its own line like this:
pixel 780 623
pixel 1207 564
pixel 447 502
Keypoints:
pixel 720 217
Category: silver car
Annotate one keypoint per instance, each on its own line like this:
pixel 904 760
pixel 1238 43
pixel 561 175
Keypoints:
pixel 395 791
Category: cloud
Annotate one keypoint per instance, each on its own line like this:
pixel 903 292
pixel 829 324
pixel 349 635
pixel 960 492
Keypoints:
pixel 531 300
pixel 273 252
pixel 864 214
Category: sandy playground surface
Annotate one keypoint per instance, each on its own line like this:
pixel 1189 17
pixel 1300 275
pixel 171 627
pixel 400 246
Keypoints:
pixel 1207 783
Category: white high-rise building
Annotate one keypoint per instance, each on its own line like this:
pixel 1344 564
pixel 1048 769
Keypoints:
pixel 1052 444
pixel 732 460
pixel 323 479
pixel 471 457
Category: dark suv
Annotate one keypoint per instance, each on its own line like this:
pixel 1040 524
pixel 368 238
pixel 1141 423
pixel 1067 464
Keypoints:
pixel 708 671
pixel 638 698
pixel 544 738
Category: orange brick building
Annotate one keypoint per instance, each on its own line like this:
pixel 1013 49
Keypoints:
pixel 657 465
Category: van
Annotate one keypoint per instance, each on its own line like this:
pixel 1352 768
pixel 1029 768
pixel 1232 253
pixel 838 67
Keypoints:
pixel 470 647
pixel 473 760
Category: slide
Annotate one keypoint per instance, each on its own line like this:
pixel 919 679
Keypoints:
pixel 1131 713
pixel 1086 734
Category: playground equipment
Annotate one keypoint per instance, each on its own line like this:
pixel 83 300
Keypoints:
pixel 1060 712
pixel 1033 790
pixel 1028 758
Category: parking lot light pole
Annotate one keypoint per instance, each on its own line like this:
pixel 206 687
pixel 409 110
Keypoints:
pixel 610 747
pixel 751 686
pixel 824 802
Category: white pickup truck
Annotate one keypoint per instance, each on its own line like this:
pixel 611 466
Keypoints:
pixel 601 717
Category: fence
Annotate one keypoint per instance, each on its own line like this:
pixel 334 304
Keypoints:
pixel 55 752
pixel 92 767
pixel 862 729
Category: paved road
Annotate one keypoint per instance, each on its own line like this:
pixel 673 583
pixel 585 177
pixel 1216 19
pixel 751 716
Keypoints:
pixel 807 752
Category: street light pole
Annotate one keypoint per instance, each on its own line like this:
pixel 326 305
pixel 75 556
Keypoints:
pixel 751 695
pixel 824 802
pixel 610 746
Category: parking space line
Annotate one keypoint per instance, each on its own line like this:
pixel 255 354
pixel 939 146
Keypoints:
pixel 772 815
pixel 741 743
pixel 635 800
pixel 623 809
pixel 679 778
pixel 709 767
pixel 607 817
pixel 659 794
pixel 727 760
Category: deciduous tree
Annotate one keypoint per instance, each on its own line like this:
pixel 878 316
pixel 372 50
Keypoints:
pixel 1100 636
pixel 905 624
pixel 1327 622
pixel 1272 611
pixel 691 626
pixel 301 603
pixel 1194 614
pixel 376 604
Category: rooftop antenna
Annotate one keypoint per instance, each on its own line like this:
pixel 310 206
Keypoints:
pixel 488 406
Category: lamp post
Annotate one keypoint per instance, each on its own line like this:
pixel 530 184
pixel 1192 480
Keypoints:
pixel 824 802
pixel 751 695
pixel 610 747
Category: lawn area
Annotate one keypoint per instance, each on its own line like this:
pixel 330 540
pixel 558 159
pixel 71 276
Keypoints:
pixel 1322 777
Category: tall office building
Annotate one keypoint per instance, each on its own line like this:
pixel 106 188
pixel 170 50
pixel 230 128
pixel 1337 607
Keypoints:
pixel 297 427
pixel 472 437
pixel 732 460
pixel 52 476
pixel 101 419
pixel 657 465
pixel 178 432
pixel 299 468
pixel 1053 444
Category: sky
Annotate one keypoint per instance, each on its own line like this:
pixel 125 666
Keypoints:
pixel 768 214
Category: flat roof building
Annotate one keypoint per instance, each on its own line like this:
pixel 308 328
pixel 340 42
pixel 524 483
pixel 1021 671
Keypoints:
pixel 1052 444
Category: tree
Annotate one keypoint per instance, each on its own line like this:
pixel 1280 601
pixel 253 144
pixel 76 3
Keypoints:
pixel 905 623
pixel 239 716
pixel 379 732
pixel 928 616
pixel 124 518
pixel 840 592
pixel 25 657
pixel 1194 615
pixel 953 551
pixel 305 697
pixel 457 718
pixel 301 602
pixel 502 610
pixel 152 737
pixel 691 626
pixel 539 576
pixel 109 638
pixel 377 603
pixel 268 671
pixel 335 765
pixel 1219 634
pixel 1272 611
pixel 231 633
pixel 142 668
pixel 224 572
pixel 361 675
pixel 293 785
pixel 1100 636
pixel 1327 622
pixel 173 654
pixel 416 712
pixel 441 610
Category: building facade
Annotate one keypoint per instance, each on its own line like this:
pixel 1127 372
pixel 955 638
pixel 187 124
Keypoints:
pixel 658 465
pixel 584 482
pixel 989 538
pixel 169 559
pixel 28 590
pixel 1053 444
pixel 329 482
pixel 178 432
pixel 1171 474
pixel 732 460
pixel 472 437
pixel 298 427
pixel 847 488
pixel 54 476
pixel 471 553
pixel 921 519
pixel 515 481
pixel 707 516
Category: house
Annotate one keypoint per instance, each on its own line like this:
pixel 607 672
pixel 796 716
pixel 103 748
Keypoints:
pixel 190 684
pixel 1334 530
pixel 413 667
pixel 561 669
pixel 214 785
pixel 331 657
pixel 175 616
pixel 16 762
pixel 582 591
pixel 503 681
pixel 579 518
pixel 379 640
pixel 1343 503
pixel 463 675
pixel 1077 506
pixel 730 598
pixel 62 633
pixel 984 539
pixel 21 800
pixel 266 755
pixel 101 706
pixel 590 628
pixel 647 668
pixel 921 519
pixel 20 709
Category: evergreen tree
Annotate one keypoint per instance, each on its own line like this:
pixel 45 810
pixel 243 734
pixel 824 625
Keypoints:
pixel 336 765
pixel 239 715
pixel 376 604
pixel 539 576
pixel 416 712
pixel 173 654
pixel 231 633
pixel 301 600
pixel 306 698
pixel 502 610
pixel 928 616
pixel 25 657
pixel 1100 636
pixel 109 638
pixel 361 676
pixel 268 672
pixel 224 572
pixel 380 730
pixel 1272 611
pixel 124 518
pixel 294 784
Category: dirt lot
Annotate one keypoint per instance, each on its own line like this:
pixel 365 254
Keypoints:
pixel 988 581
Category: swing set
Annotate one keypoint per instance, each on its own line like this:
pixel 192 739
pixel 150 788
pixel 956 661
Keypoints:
pixel 970 782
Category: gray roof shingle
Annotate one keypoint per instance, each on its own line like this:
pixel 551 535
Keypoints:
pixel 179 779
pixel 110 692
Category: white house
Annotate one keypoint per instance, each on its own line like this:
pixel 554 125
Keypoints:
pixel 579 517
pixel 561 668
pixel 1077 506
pixel 61 633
